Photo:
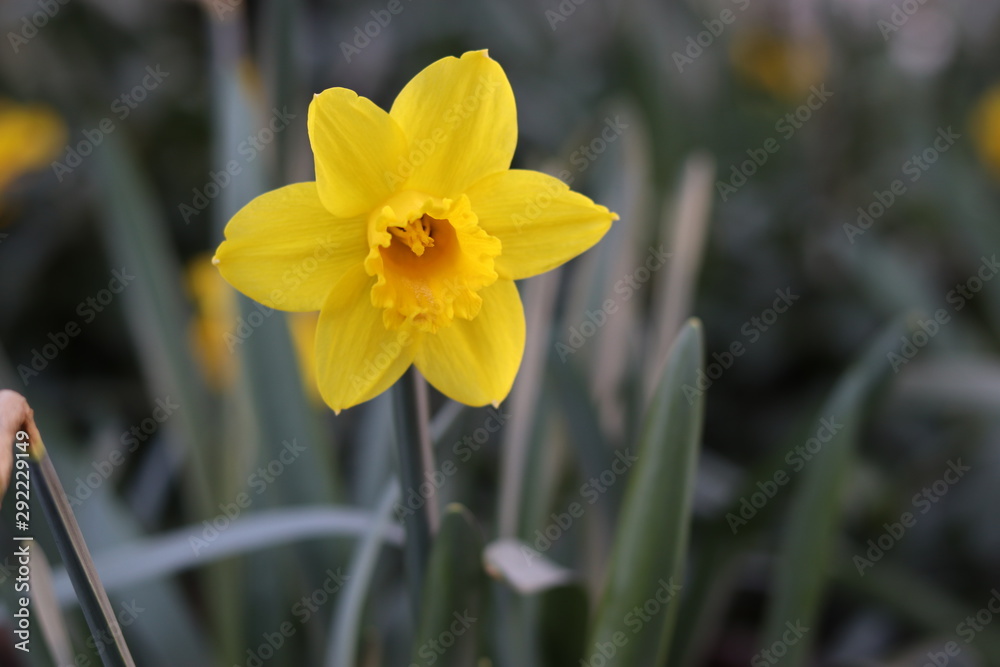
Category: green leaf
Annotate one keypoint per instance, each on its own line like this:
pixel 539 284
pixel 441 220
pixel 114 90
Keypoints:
pixel 342 649
pixel 196 546
pixel 269 405
pixel 648 559
pixel 811 531
pixel 539 302
pixel 709 592
pixel 562 625
pixel 569 388
pixel 136 233
pixel 452 601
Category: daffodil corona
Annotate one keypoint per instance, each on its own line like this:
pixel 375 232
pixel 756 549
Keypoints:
pixel 411 237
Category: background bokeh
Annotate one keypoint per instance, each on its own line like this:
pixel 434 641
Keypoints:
pixel 815 170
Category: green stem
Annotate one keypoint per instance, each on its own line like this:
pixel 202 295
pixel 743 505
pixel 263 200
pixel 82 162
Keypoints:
pixel 416 461
pixel 80 567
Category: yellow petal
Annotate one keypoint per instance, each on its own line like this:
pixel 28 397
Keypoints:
pixel 461 122
pixel 357 357
pixel 538 219
pixel 357 146
pixel 285 250
pixel 475 361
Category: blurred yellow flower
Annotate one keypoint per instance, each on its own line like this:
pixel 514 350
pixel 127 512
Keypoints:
pixel 216 319
pixel 986 129
pixel 782 65
pixel 411 237
pixel 303 330
pixel 215 315
pixel 31 136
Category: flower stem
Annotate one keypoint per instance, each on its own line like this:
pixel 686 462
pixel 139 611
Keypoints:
pixel 416 462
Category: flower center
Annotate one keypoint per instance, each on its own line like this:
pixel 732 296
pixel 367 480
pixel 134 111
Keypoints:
pixel 430 258
pixel 416 234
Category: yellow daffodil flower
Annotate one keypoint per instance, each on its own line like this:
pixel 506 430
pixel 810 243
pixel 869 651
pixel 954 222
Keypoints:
pixel 411 237
pixel 30 138
pixel 782 65
pixel 986 129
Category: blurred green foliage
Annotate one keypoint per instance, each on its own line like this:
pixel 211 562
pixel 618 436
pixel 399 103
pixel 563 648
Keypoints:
pixel 814 170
